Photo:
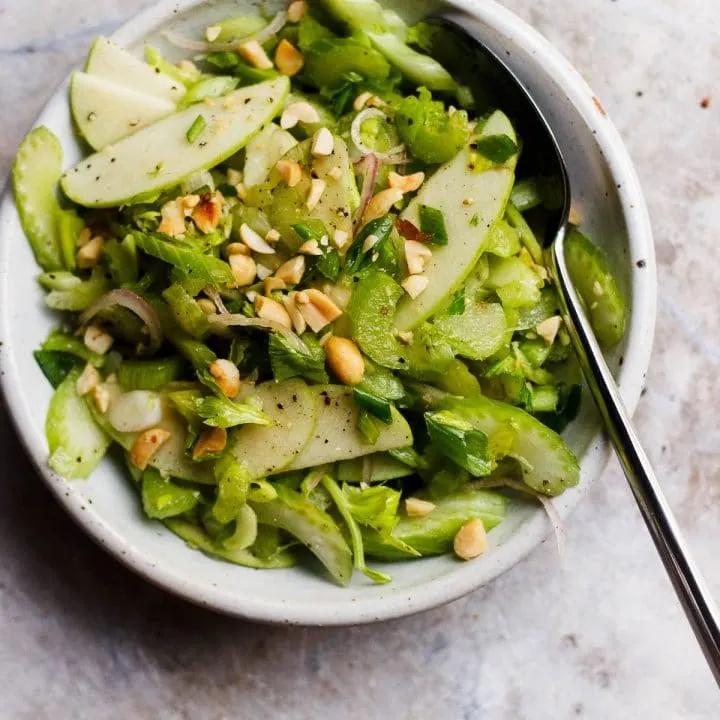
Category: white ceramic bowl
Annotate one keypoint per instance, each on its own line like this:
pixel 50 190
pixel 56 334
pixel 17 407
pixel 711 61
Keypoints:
pixel 610 201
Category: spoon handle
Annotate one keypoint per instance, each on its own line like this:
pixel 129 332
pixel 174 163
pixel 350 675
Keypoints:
pixel 689 584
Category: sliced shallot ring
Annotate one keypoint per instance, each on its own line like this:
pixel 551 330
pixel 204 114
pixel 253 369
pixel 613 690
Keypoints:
pixel 137 305
pixel 262 36
pixel 356 134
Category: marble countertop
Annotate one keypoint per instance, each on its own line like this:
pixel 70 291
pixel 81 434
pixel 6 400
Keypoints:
pixel 598 635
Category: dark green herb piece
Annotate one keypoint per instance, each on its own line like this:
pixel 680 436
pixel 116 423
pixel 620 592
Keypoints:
pixel 55 365
pixel 375 405
pixel 432 223
pixel 357 258
pixel 496 148
pixel 328 264
pixel 227 190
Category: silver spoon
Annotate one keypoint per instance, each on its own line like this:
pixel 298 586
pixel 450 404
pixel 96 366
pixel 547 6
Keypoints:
pixel 689 585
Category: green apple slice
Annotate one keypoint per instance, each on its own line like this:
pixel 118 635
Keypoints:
pixel 112 62
pixel 161 155
pixel 106 112
pixel 336 437
pixel 293 408
pixel 471 203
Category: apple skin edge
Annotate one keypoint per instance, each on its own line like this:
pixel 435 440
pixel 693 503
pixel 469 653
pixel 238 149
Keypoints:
pixel 160 156
pixel 471 202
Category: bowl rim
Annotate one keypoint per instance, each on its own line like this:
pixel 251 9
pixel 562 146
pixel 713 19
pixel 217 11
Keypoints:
pixel 443 589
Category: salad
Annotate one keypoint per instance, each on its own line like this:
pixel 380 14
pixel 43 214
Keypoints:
pixel 302 293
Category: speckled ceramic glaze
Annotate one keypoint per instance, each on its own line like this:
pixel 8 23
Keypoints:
pixel 609 200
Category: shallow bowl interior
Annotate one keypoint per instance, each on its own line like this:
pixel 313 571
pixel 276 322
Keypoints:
pixel 609 199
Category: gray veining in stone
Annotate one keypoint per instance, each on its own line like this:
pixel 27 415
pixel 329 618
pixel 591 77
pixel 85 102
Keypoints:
pixel 598 635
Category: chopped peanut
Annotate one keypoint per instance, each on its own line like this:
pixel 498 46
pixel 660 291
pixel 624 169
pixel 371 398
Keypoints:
pixel 254 241
pixel 208 213
pixel 370 242
pixel 290 171
pixel 298 321
pixel 340 237
pixel 323 143
pixel 212 33
pixel 288 59
pixel 297 10
pixel 317 188
pixel 416 256
pixel 241 191
pixel 298 112
pixel 361 100
pixel 89 379
pixel 406 337
pixel 97 340
pixel 381 203
pixel 101 398
pixel 406 183
pixel 317 309
pixel 253 52
pixel 188 67
pixel 212 440
pixel 227 376
pixel 345 360
pixel 146 445
pixel 471 540
pixel 292 271
pixel 237 249
pixel 88 256
pixel 84 237
pixel 269 309
pixel 272 235
pixel 234 176
pixel 174 213
pixel 415 285
pixel 548 329
pixel 417 508
pixel 273 283
pixel 207 306
pixel 243 269
pixel 310 247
